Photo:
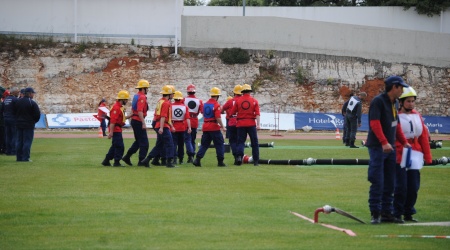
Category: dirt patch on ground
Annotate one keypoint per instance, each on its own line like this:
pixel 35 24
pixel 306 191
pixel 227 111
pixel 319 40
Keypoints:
pixel 122 63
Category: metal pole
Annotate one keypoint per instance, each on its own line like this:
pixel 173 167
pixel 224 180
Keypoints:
pixel 75 20
pixel 243 8
pixel 177 15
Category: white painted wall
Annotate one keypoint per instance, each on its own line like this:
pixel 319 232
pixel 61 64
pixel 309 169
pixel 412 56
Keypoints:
pixel 147 22
pixel 383 33
pixel 383 17
pixel 286 34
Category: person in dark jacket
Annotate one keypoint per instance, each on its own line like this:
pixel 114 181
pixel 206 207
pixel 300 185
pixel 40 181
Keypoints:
pixel 27 115
pixel 10 120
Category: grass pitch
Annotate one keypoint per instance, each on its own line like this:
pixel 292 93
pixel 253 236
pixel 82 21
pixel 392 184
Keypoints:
pixel 65 199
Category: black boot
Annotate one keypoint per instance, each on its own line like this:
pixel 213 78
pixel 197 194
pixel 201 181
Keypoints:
pixel 156 162
pixel 170 163
pixel 180 161
pixel 239 160
pixel 347 143
pixel 117 164
pixel 127 159
pixel 255 163
pixel 388 217
pixel 145 162
pixel 197 162
pixel 220 163
pixel 175 161
pixel 352 144
pixel 190 159
pixel 106 162
pixel 163 161
pixel 235 161
pixel 375 218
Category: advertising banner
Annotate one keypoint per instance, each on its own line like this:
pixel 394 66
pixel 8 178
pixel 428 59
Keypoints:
pixel 80 120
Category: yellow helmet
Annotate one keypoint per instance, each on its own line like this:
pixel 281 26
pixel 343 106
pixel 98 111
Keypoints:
pixel 246 87
pixel 123 95
pixel 408 92
pixel 166 90
pixel 237 89
pixel 173 88
pixel 215 92
pixel 178 95
pixel 142 84
pixel 229 98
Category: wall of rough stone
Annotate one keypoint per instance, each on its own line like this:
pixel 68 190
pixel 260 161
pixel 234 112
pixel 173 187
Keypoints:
pixel 70 82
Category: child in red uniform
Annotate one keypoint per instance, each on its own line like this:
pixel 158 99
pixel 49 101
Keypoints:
pixel 182 125
pixel 117 121
pixel 248 119
pixel 232 121
pixel 163 128
pixel 195 106
pixel 211 129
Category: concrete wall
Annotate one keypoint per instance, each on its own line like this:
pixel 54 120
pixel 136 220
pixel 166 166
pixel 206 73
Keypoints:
pixel 382 17
pixel 382 33
pixel 286 34
pixel 147 22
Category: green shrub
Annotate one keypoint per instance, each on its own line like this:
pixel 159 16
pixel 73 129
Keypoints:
pixel 234 56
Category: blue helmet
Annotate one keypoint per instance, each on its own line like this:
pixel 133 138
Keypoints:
pixel 395 80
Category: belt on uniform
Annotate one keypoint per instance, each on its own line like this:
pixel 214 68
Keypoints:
pixel 211 121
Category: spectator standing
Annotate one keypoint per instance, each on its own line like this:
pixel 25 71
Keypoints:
pixel 182 125
pixel 2 124
pixel 102 115
pixel 232 121
pixel 383 131
pixel 343 110
pixel 10 121
pixel 195 106
pixel 247 113
pixel 212 124
pixel 353 118
pixel 116 122
pixel 408 178
pixel 139 107
pixel 27 114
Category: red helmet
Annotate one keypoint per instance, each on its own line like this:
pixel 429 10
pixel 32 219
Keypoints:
pixel 191 88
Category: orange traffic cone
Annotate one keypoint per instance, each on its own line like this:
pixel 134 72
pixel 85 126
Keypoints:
pixel 338 136
pixel 100 132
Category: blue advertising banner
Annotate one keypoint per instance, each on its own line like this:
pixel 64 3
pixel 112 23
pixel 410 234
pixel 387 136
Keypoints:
pixel 331 121
pixel 437 124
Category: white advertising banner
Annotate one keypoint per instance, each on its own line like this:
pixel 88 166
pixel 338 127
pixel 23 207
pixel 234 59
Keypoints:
pixel 282 121
pixel 80 120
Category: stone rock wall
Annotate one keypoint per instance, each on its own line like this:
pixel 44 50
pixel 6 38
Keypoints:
pixel 71 82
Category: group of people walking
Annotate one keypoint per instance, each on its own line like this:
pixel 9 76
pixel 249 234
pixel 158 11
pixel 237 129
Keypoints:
pixel 18 115
pixel 175 122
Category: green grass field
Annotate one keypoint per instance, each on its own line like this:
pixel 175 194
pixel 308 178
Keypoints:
pixel 65 199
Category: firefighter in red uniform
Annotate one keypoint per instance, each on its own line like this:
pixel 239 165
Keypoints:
pixel 195 106
pixel 232 121
pixel 247 109
pixel 116 122
pixel 182 125
pixel 164 126
pixel 212 124
pixel 407 182
pixel 139 108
